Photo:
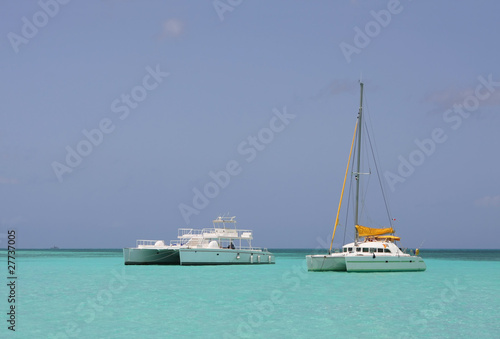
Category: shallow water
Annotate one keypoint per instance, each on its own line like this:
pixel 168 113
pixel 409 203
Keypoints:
pixel 91 294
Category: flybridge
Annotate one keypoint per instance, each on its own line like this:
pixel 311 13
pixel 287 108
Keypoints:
pixel 225 219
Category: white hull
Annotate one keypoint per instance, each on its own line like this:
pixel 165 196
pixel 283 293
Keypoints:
pixel 151 256
pixel 384 263
pixel 209 256
pixel 326 262
pixel 364 263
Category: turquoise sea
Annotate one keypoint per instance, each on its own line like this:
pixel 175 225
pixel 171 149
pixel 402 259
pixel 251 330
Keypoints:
pixel 91 294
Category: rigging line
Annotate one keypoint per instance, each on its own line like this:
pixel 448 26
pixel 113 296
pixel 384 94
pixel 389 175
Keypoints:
pixel 348 205
pixel 370 125
pixel 364 192
pixel 343 185
pixel 349 196
pixel 380 182
pixel 365 145
pixel 376 158
pixel 364 189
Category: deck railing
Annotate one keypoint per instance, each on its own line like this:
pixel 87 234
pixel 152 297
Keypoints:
pixel 198 238
pixel 147 243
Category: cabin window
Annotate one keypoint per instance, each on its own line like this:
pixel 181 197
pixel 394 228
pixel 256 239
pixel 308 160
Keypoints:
pixel 380 250
pixel 365 249
pixel 350 249
pixel 358 249
pixel 345 249
pixel 386 250
pixel 372 250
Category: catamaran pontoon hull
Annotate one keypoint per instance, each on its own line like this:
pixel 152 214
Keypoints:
pixel 326 262
pixel 366 263
pixel 151 256
pixel 207 256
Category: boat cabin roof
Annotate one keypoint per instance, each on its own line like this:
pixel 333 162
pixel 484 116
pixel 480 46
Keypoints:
pixel 373 244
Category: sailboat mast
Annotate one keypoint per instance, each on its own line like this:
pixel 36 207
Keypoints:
pixel 358 166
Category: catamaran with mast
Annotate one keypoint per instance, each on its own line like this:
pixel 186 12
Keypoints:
pixel 373 249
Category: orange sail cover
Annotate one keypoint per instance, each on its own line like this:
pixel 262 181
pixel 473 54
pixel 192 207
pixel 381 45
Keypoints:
pixel 388 237
pixel 367 231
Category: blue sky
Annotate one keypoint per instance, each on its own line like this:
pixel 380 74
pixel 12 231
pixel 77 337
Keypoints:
pixel 114 114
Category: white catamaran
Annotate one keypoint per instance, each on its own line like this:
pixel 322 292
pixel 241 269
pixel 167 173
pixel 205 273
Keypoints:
pixel 373 249
pixel 222 244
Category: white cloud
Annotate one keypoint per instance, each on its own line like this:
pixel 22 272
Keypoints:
pixel 7 181
pixel 337 86
pixel 172 28
pixel 488 201
pixel 446 98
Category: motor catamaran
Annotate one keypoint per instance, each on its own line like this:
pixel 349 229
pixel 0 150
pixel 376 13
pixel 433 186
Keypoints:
pixel 373 249
pixel 222 244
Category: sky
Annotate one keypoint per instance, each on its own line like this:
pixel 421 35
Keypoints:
pixel 124 120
